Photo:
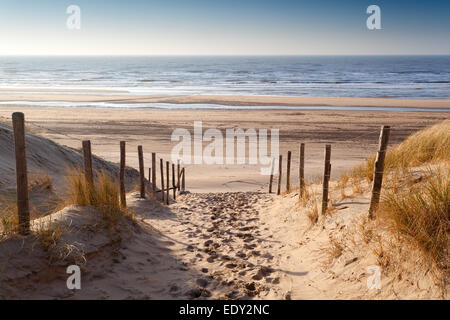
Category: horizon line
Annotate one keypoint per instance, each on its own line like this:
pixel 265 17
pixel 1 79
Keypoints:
pixel 221 55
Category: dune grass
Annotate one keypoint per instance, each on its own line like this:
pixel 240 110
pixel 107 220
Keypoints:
pixel 415 201
pixel 103 195
pixel 421 213
pixel 427 146
pixel 42 180
pixel 9 220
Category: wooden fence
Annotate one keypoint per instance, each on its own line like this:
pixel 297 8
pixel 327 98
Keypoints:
pixel 178 181
pixel 377 180
pixel 179 173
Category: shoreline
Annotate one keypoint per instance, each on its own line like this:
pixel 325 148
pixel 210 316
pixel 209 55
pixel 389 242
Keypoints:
pixel 225 100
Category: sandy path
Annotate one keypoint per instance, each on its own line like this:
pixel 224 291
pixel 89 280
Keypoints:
pixel 220 236
pixel 203 246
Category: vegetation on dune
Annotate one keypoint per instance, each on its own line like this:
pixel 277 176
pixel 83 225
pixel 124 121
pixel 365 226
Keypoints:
pixel 415 201
pixel 427 146
pixel 104 195
pixel 421 213
pixel 9 220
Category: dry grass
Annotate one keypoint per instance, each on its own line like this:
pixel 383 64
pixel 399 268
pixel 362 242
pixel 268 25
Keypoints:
pixel 104 196
pixel 334 250
pixel 342 185
pixel 48 233
pixel 415 203
pixel 310 203
pixel 431 145
pixel 426 146
pixel 313 214
pixel 41 180
pixel 421 214
pixel 9 220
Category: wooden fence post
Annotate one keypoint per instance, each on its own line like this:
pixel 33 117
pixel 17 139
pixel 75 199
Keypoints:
pixel 87 153
pixel 123 200
pixel 23 208
pixel 162 179
pixel 154 175
pixel 141 171
pixel 280 171
pixel 288 172
pixel 183 179
pixel 379 169
pixel 301 170
pixel 178 175
pixel 272 168
pixel 173 182
pixel 168 184
pixel 326 178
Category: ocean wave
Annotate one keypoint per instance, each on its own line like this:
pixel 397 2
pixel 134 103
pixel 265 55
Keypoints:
pixel 417 77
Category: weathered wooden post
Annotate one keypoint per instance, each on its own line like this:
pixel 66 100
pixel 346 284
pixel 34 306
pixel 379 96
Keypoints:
pixel 280 171
pixel 178 175
pixel 173 182
pixel 301 170
pixel 141 171
pixel 154 175
pixel 123 200
pixel 272 168
pixel 183 180
pixel 162 179
pixel 23 208
pixel 149 178
pixel 288 172
pixel 379 169
pixel 168 184
pixel 326 178
pixel 87 153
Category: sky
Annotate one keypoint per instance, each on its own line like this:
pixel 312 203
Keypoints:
pixel 224 27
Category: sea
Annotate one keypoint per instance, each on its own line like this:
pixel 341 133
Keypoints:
pixel 416 77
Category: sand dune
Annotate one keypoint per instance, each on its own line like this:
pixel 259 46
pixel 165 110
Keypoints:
pixel 47 158
pixel 221 245
pixel 243 245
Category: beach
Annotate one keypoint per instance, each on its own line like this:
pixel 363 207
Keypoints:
pixel 228 151
pixel 352 134
pixel 123 99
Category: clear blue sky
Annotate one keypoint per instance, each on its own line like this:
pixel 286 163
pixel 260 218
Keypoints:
pixel 191 27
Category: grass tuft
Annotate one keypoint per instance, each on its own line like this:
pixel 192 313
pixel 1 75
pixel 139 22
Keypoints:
pixel 421 213
pixel 9 220
pixel 104 196
pixel 428 146
pixel 42 181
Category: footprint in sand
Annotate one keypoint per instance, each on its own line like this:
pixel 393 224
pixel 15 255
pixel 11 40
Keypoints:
pixel 262 273
pixel 202 282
